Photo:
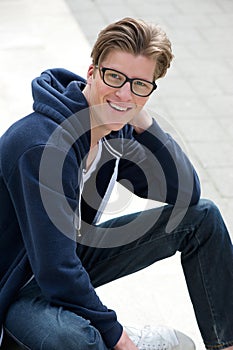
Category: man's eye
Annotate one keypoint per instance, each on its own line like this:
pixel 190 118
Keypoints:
pixel 140 83
pixel 114 76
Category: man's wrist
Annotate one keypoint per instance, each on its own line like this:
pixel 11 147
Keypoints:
pixel 142 122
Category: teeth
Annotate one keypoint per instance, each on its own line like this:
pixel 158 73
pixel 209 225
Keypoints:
pixel 118 108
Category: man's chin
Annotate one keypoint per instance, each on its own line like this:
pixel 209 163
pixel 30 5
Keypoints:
pixel 115 126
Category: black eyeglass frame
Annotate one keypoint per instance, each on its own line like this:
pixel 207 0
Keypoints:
pixel 127 79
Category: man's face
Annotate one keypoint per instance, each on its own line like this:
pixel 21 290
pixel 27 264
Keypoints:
pixel 115 107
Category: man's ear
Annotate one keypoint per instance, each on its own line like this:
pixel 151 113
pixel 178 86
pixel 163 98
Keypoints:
pixel 90 73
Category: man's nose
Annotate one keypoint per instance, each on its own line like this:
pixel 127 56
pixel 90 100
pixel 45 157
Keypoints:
pixel 125 92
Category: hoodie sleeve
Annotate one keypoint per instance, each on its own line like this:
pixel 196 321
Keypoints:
pixel 155 167
pixel 45 213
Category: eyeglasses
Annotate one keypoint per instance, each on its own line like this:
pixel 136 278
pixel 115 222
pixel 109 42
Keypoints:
pixel 116 79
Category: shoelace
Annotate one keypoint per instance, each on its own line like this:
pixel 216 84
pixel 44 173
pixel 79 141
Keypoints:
pixel 144 345
pixel 153 347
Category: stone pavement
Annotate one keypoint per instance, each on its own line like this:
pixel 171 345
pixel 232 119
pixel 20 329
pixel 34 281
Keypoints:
pixel 194 100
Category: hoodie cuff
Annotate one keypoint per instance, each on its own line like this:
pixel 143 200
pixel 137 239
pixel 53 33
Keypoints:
pixel 112 336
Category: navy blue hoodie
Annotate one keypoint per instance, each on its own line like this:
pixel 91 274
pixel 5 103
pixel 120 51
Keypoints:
pixel 42 159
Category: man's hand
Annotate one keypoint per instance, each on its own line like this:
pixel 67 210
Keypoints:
pixel 141 121
pixel 125 343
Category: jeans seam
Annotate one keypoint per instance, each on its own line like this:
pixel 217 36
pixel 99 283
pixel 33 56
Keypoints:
pixel 208 295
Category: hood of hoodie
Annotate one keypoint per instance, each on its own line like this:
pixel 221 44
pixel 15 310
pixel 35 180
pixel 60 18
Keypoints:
pixel 57 93
pixel 60 118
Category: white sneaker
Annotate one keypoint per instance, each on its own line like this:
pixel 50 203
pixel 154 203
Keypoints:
pixel 159 338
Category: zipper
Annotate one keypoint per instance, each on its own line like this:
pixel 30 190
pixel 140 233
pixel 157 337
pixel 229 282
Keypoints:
pixel 77 218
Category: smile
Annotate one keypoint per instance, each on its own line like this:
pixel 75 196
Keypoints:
pixel 118 108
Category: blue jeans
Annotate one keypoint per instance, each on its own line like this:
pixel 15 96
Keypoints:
pixel 207 261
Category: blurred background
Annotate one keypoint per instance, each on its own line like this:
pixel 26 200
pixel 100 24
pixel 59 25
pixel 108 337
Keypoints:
pixel 194 100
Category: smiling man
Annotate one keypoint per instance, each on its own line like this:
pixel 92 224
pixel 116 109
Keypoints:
pixel 129 94
pixel 58 167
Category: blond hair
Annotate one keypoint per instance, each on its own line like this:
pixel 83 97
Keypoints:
pixel 138 38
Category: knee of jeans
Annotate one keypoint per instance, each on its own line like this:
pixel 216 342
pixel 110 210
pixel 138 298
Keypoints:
pixel 210 207
pixel 85 338
pixel 212 219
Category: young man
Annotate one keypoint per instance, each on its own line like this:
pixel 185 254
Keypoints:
pixel 57 169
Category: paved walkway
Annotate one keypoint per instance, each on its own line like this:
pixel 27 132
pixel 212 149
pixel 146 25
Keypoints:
pixel 196 98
